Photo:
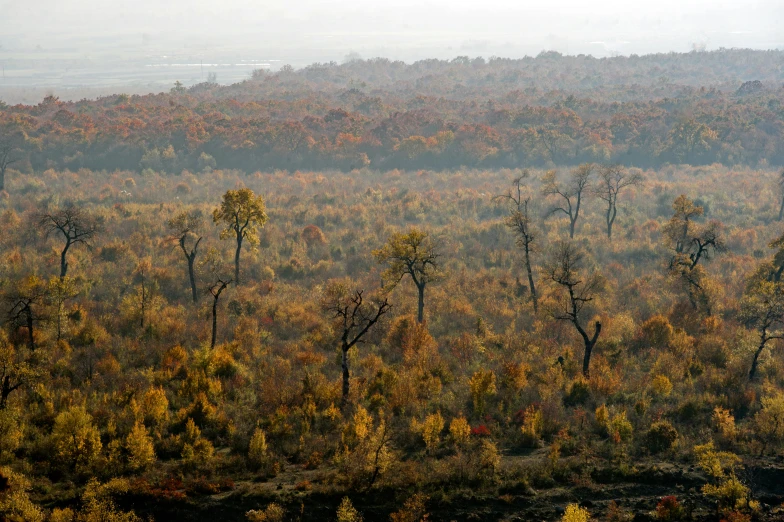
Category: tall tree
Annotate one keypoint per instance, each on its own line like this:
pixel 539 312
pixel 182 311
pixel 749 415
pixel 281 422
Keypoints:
pixel 354 316
pixel 612 180
pixel 241 212
pixel 519 221
pixel 414 254
pixel 691 243
pixel 186 227
pixel 570 194
pixel 565 268
pixel 74 224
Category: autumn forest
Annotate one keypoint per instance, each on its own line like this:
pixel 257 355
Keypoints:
pixel 538 289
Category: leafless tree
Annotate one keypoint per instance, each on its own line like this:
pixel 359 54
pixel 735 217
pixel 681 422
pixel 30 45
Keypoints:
pixel 564 268
pixel 612 180
pixel 22 300
pixel 519 221
pixel 354 317
pixel 570 194
pixel 186 227
pixel 74 224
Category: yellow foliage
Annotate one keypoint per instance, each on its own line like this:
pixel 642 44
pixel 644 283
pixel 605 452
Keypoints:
pixel 482 385
pixel 347 512
pixel 76 440
pixel 141 452
pixel 15 504
pixel 459 430
pixel 431 430
pixel 272 513
pixel 257 450
pixel 661 386
pixel 575 513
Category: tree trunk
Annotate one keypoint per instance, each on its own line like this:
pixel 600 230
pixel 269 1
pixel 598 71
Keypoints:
pixel 421 308
pixel 344 364
pixel 193 278
pixel 237 261
pixel 2 182
pixel 755 361
pixel 611 213
pixel 214 322
pixel 63 261
pixel 531 278
pixel 589 344
pixel 572 221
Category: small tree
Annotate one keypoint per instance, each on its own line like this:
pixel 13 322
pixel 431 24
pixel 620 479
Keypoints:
pixel 612 180
pixel 241 212
pixel 354 317
pixel 519 221
pixel 75 225
pixel 564 269
pixel 415 254
pixel 186 227
pixel 217 282
pixel 570 194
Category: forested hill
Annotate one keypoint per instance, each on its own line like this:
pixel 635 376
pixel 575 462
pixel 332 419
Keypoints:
pixel 697 108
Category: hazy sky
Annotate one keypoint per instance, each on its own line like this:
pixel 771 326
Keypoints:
pixel 320 30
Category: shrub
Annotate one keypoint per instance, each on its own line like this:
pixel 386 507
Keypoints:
pixel 669 510
pixel 347 512
pixel 661 386
pixel 575 513
pixel 413 510
pixel 272 513
pixel 660 437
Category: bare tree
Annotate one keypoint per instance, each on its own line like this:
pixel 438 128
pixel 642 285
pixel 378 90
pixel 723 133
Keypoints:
pixel 21 301
pixel 570 194
pixel 564 268
pixel 612 180
pixel 354 317
pixel 75 224
pixel 519 221
pixel 186 227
